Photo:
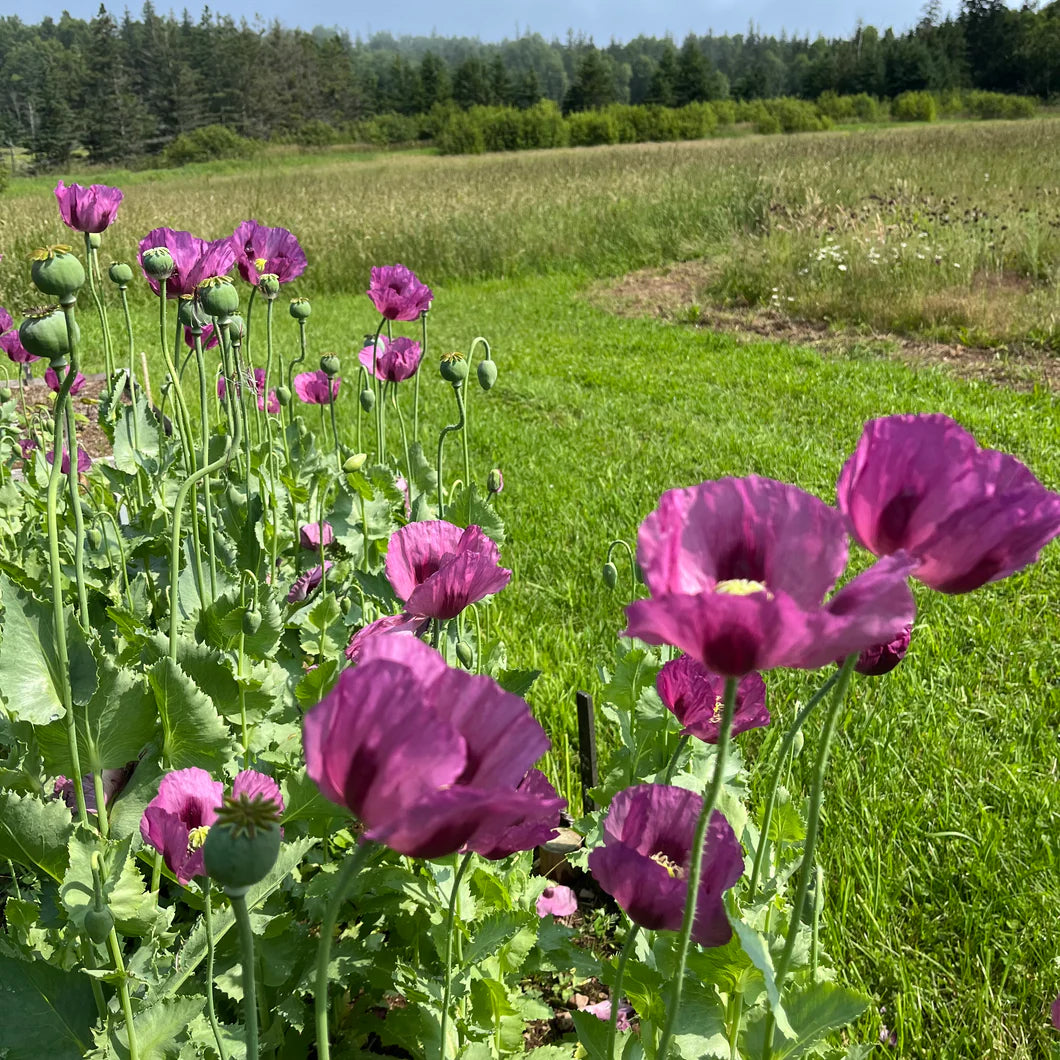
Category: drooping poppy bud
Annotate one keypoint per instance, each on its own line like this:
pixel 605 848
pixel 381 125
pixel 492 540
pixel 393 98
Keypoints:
pixel 495 481
pixel 610 573
pixel 487 374
pixel 283 395
pixel 355 462
pixel 367 400
pixel 465 654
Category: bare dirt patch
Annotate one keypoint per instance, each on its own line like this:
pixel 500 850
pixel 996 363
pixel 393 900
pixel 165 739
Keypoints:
pixel 676 293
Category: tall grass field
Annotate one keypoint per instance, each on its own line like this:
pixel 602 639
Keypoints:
pixel 942 824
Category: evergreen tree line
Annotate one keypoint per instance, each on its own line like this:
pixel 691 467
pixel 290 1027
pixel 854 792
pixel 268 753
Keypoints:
pixel 121 89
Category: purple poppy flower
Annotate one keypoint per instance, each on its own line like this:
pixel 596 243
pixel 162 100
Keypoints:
pixel 557 900
pixel 881 659
pixel 310 536
pixel 968 515
pixel 396 360
pixel 306 583
pixel 194 259
pixel 90 209
pixel 84 461
pixel 397 293
pixel 10 343
pixel 312 387
pixel 209 338
pixel 260 249
pixel 437 569
pixel 177 819
pixel 114 782
pixel 27 445
pixel 737 569
pixel 429 758
pixel 602 1011
pixel 412 625
pixel 51 377
pixel 270 404
pixel 402 484
pixel 645 859
pixel 694 695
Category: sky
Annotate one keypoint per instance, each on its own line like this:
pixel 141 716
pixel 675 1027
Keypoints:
pixel 494 20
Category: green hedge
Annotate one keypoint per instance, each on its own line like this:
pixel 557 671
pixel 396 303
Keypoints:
pixel 206 144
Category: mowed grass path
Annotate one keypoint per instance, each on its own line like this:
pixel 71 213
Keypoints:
pixel 941 841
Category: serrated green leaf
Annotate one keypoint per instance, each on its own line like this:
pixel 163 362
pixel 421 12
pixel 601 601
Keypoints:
pixel 756 947
pixel 136 442
pixel 814 1012
pixel 160 1028
pixel 636 671
pixel 518 682
pixel 323 632
pixel 482 513
pixel 44 1012
pixel 29 664
pixel 699 1030
pixel 493 1008
pixel 492 933
pixel 317 683
pixel 193 733
pixel 592 1034
pixel 34 832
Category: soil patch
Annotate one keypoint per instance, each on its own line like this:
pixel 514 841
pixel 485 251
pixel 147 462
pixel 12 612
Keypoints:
pixel 676 293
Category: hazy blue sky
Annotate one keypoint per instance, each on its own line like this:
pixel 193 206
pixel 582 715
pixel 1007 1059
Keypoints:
pixel 492 21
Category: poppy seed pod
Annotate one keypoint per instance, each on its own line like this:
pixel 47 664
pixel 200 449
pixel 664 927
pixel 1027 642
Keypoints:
pixel 269 285
pixel 43 333
pixel 218 296
pixel 158 263
pixel 487 374
pixel 57 272
pixel 120 273
pixel 189 313
pixel 453 368
pixel 300 308
pixel 329 364
pixel 243 843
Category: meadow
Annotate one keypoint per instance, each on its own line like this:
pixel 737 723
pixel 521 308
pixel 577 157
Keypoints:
pixel 941 849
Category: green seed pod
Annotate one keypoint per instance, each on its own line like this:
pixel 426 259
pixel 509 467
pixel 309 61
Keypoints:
pixel 251 621
pixel 218 296
pixel 43 333
pixel 465 654
pixel 329 365
pixel 283 396
pixel 610 575
pixel 487 374
pixel 367 400
pixel 98 923
pixel 158 263
pixel 243 843
pixel 300 308
pixel 190 314
pixel 453 368
pixel 120 273
pixel 269 285
pixel 57 272
pixel 93 537
pixel 355 462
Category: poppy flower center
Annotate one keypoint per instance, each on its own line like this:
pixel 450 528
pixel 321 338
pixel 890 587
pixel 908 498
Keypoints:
pixel 672 868
pixel 197 836
pixel 260 263
pixel 741 587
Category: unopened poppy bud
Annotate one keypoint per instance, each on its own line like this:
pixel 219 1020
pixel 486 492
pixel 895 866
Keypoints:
pixel 883 658
pixel 453 368
pixel 93 537
pixel 120 273
pixel 98 923
pixel 367 400
pixel 329 365
pixel 465 654
pixel 95 240
pixel 158 263
pixel 237 327
pixel 251 621
pixel 797 743
pixel 283 395
pixel 495 481
pixel 5 393
pixel 610 575
pixel 487 374
pixel 44 334
pixel 218 296
pixel 57 272
pixel 300 308
pixel 269 285
pixel 243 842
pixel 355 462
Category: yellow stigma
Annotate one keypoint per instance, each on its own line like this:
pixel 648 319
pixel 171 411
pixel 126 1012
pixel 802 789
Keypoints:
pixel 671 866
pixel 741 587
pixel 44 253
pixel 260 263
pixel 197 836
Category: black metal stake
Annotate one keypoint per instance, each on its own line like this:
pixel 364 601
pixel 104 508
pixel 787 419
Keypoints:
pixel 586 748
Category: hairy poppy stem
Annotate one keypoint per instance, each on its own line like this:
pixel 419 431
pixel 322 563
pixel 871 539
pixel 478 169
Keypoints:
pixel 782 758
pixel 250 989
pixel 695 868
pixel 208 913
pixel 353 864
pixel 813 820
pixel 450 925
pixel 616 989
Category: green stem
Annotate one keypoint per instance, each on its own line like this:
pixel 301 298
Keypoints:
pixel 123 993
pixel 351 866
pixel 303 346
pixel 781 764
pixel 695 867
pixel 632 563
pixel 416 385
pixel 103 514
pixel 132 386
pixel 334 426
pixel 208 913
pixel 672 764
pixel 616 990
pixel 459 425
pixel 813 820
pixel 75 504
pixel 250 992
pixel 101 803
pixel 91 259
pixel 207 495
pixel 380 427
pixel 404 436
pixel 450 927
pixel 736 1020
